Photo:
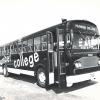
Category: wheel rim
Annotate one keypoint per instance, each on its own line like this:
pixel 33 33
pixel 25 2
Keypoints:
pixel 42 77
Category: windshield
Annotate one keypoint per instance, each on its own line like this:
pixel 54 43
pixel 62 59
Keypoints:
pixel 81 41
pixel 85 35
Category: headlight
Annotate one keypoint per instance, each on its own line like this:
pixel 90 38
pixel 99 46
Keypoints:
pixel 99 62
pixel 78 64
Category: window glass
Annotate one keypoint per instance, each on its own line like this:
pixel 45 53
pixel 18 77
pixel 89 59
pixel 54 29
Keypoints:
pixel 7 50
pixel 30 45
pixel 14 48
pixel 50 42
pixel 37 46
pixel 19 46
pixel 0 51
pixel 44 42
pixel 3 51
pixel 25 46
pixel 61 40
pixel 82 41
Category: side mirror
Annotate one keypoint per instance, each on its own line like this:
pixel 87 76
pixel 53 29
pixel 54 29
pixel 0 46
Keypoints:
pixel 72 35
pixel 68 45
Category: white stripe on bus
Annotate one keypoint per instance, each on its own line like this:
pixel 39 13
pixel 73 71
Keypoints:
pixel 21 71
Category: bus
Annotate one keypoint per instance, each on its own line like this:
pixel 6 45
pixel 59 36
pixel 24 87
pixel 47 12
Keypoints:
pixel 63 54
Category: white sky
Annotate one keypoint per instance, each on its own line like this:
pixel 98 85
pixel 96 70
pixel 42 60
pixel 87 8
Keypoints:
pixel 19 18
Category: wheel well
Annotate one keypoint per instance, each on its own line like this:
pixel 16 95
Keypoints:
pixel 37 67
pixel 3 66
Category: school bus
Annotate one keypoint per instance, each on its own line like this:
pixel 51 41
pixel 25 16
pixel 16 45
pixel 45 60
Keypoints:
pixel 64 54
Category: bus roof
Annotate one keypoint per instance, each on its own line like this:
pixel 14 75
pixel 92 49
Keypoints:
pixel 49 29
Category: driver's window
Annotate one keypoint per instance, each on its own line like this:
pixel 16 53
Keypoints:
pixel 50 42
pixel 61 38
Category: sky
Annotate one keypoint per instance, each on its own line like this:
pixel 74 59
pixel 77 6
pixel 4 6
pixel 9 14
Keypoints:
pixel 19 18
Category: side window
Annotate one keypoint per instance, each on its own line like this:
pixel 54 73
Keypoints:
pixel 3 50
pixel 25 46
pixel 44 42
pixel 50 42
pixel 37 46
pixel 19 46
pixel 14 48
pixel 7 50
pixel 0 51
pixel 30 45
pixel 61 38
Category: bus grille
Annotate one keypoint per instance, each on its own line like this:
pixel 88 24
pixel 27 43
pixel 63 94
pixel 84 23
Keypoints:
pixel 88 62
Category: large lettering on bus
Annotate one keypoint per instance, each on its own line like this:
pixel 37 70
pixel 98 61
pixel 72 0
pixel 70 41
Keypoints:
pixel 27 61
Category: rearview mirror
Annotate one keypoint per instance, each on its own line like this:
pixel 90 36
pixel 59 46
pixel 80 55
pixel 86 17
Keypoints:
pixel 72 35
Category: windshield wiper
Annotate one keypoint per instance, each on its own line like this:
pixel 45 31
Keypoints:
pixel 82 35
pixel 84 38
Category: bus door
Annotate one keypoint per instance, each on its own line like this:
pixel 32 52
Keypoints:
pixel 50 58
pixel 61 68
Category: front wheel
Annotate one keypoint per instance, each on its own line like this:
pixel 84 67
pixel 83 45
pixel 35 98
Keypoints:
pixel 41 78
pixel 5 71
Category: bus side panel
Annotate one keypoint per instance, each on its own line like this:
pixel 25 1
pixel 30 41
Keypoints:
pixel 40 59
pixel 28 61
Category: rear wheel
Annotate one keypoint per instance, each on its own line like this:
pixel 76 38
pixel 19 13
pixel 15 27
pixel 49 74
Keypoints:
pixel 41 78
pixel 5 71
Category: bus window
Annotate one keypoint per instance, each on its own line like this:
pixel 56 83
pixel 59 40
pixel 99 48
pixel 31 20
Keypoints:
pixel 25 46
pixel 0 51
pixel 50 42
pixel 3 50
pixel 30 45
pixel 61 39
pixel 19 46
pixel 44 42
pixel 14 48
pixel 7 50
pixel 37 46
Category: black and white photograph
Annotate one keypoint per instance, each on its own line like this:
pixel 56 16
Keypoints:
pixel 49 49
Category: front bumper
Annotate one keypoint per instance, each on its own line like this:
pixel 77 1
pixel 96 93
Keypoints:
pixel 70 80
pixel 87 70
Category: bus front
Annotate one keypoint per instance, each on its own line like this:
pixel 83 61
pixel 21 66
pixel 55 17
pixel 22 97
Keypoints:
pixel 81 56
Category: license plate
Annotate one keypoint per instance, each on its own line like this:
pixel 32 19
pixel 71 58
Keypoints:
pixel 92 75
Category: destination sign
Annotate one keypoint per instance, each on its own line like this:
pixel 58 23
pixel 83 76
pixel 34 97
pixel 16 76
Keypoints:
pixel 85 27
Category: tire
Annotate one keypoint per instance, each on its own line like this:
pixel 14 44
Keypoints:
pixel 5 71
pixel 41 77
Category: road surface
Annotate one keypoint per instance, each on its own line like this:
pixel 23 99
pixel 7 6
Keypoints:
pixel 24 88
